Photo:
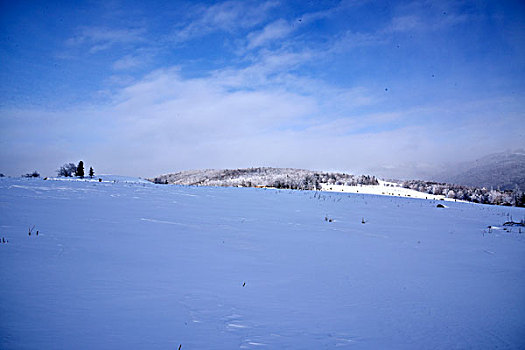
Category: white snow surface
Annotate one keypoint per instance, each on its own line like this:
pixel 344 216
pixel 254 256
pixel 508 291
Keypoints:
pixel 101 178
pixel 131 265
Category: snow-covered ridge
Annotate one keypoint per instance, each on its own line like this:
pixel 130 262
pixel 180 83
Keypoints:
pixel 340 182
pixel 264 177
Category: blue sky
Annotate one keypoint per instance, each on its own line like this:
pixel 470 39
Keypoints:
pixel 398 89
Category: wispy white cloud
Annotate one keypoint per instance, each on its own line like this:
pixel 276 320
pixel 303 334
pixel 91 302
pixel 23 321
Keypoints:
pixel 268 67
pixel 342 6
pixel 139 57
pixel 127 62
pixel 103 38
pixel 421 16
pixel 350 40
pixel 167 98
pixel 225 16
pixel 417 23
pixel 273 31
pixel 405 23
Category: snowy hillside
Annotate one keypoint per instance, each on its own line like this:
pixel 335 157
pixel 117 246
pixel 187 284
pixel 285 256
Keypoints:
pixel 288 178
pixel 129 265
pixel 385 188
pixel 504 170
pixel 263 177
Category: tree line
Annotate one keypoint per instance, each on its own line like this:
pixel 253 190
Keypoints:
pixel 70 170
pixel 483 195
pixel 284 178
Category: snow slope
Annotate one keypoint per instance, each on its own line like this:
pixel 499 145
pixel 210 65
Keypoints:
pixel 143 266
pixel 384 188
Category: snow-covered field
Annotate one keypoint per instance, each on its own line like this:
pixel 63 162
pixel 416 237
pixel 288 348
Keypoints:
pixel 384 188
pixel 123 265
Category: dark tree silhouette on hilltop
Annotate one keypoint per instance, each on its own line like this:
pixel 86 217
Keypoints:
pixel 80 169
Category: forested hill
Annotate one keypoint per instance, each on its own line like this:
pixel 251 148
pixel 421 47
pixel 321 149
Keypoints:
pixel 504 171
pixel 300 179
pixel 263 177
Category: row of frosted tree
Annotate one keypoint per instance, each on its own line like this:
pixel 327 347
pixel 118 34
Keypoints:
pixel 285 178
pixel 515 197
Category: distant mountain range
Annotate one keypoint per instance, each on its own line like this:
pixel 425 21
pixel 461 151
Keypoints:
pixel 504 170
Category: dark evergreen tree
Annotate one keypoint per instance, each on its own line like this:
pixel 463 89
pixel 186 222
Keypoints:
pixel 80 170
pixel 91 172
